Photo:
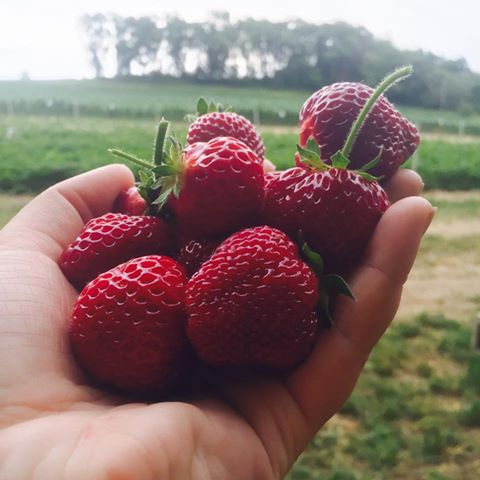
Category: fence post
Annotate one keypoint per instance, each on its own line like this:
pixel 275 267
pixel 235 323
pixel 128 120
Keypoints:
pixel 461 127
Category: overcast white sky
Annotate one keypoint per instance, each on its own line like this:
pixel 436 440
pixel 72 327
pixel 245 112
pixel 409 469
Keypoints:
pixel 43 38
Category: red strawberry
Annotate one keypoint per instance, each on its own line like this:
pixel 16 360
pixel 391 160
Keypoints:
pixel 211 123
pixel 128 326
pixel 110 240
pixel 261 234
pixel 208 190
pixel 130 202
pixel 221 188
pixel 194 253
pixel 335 209
pixel 328 115
pixel 253 303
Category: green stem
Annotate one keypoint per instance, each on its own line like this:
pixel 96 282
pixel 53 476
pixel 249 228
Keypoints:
pixel 131 158
pixel 384 85
pixel 162 129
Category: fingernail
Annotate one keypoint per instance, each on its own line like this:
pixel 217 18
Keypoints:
pixel 429 218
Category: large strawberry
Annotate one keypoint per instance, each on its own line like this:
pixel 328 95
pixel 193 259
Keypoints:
pixel 329 114
pixel 335 209
pixel 208 190
pixel 252 305
pixel 128 326
pixel 210 123
pixel 112 239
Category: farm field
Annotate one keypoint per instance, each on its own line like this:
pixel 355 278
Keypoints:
pixel 36 151
pixel 143 98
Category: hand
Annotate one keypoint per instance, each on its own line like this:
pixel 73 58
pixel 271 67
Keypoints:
pixel 54 426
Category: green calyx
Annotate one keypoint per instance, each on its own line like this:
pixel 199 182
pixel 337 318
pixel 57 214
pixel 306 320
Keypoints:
pixel 341 159
pixel 204 106
pixel 331 284
pixel 160 177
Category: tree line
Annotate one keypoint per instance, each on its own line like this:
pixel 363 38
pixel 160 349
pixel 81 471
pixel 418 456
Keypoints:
pixel 293 54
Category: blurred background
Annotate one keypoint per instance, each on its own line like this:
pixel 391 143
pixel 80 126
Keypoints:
pixel 79 77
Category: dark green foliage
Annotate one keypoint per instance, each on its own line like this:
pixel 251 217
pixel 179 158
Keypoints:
pixel 470 415
pixel 437 437
pixel 424 370
pixel 472 375
pixel 379 446
pixel 444 385
pixel 438 321
pixel 457 344
pixel 342 474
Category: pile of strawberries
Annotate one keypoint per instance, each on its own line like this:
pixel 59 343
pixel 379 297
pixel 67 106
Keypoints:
pixel 214 260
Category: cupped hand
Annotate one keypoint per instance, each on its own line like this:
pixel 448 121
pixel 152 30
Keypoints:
pixel 54 426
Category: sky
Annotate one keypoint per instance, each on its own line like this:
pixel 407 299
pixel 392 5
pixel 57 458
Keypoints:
pixel 43 37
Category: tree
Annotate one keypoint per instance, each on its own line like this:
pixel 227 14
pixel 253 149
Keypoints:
pixel 136 39
pixel 98 33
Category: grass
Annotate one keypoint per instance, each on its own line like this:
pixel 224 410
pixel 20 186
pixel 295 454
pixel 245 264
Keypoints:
pixel 38 151
pixel 401 423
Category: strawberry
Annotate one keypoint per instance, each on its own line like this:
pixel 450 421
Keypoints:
pixel 252 304
pixel 221 188
pixel 195 252
pixel 210 123
pixel 329 114
pixel 208 189
pixel 128 326
pixel 335 209
pixel 130 202
pixel 109 240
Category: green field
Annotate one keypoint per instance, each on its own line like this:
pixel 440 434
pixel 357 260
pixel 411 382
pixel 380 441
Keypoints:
pixel 135 98
pixel 38 151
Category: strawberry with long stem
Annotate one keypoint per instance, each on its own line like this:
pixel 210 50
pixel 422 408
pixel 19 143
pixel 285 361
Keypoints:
pixel 335 209
pixel 207 189
pixel 331 113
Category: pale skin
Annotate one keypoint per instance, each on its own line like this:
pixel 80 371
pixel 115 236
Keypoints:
pixel 53 425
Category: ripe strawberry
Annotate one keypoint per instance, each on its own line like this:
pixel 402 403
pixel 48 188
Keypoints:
pixel 194 253
pixel 211 123
pixel 130 202
pixel 128 326
pixel 328 115
pixel 253 303
pixel 221 188
pixel 110 240
pixel 335 209
pixel 208 189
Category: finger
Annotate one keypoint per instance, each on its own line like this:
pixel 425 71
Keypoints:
pixel 405 183
pixel 326 379
pixel 54 218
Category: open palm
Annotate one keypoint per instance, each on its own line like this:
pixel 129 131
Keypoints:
pixel 54 426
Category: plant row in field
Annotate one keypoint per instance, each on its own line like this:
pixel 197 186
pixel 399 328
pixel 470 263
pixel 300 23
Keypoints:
pixel 36 152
